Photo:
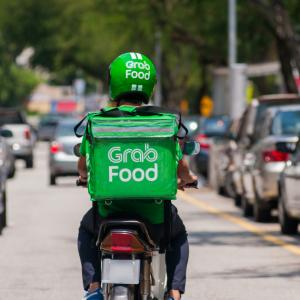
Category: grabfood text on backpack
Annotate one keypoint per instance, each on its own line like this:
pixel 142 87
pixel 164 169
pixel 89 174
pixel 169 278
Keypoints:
pixel 133 155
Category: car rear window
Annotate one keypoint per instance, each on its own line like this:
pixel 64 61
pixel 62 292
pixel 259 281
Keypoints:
pixel 46 123
pixel 11 117
pixel 68 129
pixel 287 122
pixel 216 127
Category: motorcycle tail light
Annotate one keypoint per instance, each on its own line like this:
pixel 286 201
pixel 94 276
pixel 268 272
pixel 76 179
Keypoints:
pixel 274 155
pixel 122 242
pixel 203 141
pixel 56 147
pixel 27 134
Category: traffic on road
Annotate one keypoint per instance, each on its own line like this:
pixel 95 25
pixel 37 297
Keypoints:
pixel 229 250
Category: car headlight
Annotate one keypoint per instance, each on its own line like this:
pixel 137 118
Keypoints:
pixel 193 125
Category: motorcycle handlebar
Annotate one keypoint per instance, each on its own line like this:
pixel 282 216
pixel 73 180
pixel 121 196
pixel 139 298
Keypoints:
pixel 80 183
pixel 193 184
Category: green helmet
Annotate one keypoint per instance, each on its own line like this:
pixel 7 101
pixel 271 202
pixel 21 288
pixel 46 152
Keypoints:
pixel 131 73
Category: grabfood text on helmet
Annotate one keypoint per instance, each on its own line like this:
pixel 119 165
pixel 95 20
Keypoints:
pixel 115 155
pixel 136 74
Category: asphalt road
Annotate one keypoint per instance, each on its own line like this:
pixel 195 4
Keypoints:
pixel 230 257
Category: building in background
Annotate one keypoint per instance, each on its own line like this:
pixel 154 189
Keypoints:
pixel 55 99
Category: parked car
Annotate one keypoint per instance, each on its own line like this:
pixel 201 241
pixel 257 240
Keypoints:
pixel 288 189
pixel 221 160
pixel 4 169
pixel 279 124
pixel 62 160
pixel 208 129
pixel 242 157
pixel 22 140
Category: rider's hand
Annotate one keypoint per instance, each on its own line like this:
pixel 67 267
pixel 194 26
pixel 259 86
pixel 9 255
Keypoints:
pixel 182 183
pixel 83 180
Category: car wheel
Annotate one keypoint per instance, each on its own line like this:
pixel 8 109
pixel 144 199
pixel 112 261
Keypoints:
pixel 12 170
pixel 29 161
pixel 5 211
pixel 261 214
pixel 237 200
pixel 246 207
pixel 287 224
pixel 3 215
pixel 229 187
pixel 52 180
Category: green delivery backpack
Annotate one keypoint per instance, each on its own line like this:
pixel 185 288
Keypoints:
pixel 132 153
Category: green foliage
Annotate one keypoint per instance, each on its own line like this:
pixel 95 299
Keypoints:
pixel 89 34
pixel 16 85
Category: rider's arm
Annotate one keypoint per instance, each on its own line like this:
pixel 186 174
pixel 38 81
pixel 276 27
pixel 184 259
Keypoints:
pixel 183 174
pixel 81 166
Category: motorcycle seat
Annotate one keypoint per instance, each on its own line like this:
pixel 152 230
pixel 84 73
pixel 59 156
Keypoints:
pixel 132 221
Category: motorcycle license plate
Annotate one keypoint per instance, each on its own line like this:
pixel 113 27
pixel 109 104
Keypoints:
pixel 120 271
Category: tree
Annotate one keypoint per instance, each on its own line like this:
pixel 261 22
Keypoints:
pixel 286 37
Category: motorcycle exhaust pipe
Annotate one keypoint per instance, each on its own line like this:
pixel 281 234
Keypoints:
pixel 145 276
pixel 105 291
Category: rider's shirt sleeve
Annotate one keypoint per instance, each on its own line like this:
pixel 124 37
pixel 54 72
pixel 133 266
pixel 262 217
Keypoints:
pixel 82 150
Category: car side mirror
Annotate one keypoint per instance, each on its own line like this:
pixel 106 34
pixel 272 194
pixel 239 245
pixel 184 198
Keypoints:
pixel 190 148
pixel 286 147
pixel 6 133
pixel 76 150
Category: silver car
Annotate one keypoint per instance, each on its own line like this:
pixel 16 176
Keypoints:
pixel 62 160
pixel 275 125
pixel 5 163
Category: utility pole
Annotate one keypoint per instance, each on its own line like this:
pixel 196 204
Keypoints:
pixel 157 91
pixel 237 72
pixel 232 32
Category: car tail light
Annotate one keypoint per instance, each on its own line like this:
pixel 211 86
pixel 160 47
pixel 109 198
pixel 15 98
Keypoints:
pixel 274 155
pixel 27 134
pixel 203 141
pixel 122 242
pixel 56 147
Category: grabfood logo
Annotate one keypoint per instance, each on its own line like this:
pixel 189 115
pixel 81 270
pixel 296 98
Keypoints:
pixel 115 155
pixel 134 67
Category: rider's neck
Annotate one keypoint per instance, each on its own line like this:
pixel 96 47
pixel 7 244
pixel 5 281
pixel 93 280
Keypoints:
pixel 127 103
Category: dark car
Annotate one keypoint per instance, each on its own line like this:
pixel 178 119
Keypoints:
pixel 289 190
pixel 209 128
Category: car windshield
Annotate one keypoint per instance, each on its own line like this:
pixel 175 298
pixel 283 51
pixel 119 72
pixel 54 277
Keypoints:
pixel 287 122
pixel 216 127
pixel 67 129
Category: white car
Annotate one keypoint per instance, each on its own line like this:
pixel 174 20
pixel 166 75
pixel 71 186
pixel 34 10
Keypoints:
pixel 22 139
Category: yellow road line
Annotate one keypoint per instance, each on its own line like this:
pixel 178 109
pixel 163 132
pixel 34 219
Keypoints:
pixel 268 237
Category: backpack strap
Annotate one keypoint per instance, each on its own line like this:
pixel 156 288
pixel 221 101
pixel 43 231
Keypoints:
pixel 95 209
pixel 88 137
pixel 166 240
pixel 115 112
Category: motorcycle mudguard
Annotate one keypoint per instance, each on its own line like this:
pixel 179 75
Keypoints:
pixel 160 276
